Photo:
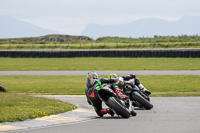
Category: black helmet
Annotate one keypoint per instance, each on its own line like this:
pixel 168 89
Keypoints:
pixel 132 76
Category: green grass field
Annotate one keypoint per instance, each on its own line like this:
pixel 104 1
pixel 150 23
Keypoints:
pixel 18 107
pixel 72 42
pixel 15 107
pixel 23 64
pixel 99 45
pixel 75 85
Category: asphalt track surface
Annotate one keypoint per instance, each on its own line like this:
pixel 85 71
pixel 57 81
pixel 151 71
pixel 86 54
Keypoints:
pixel 145 72
pixel 169 115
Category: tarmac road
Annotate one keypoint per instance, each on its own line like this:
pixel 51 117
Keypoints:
pixel 169 115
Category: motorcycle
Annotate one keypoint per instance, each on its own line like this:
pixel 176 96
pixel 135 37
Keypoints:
pixel 2 89
pixel 120 107
pixel 139 98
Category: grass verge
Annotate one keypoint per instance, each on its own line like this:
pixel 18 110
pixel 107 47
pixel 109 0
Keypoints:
pixel 98 45
pixel 18 107
pixel 75 85
pixel 177 94
pixel 28 64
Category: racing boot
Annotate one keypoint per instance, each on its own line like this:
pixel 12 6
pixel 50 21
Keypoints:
pixel 133 113
pixel 143 89
pixel 121 95
pixel 107 111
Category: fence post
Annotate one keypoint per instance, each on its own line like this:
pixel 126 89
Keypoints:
pixel 21 43
pixel 9 42
pixel 117 41
pixel 197 40
pixel 154 40
pixel 168 40
pixel 104 41
pixel 182 38
pixel 44 43
pixel 55 42
pixel 32 43
pixel 80 42
pixel 91 42
pixel 143 40
pixel 68 42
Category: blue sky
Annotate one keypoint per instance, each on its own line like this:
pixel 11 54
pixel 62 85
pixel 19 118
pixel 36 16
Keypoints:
pixel 71 16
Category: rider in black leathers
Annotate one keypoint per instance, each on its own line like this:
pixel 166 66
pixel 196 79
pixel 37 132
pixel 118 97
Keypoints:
pixel 126 78
pixel 93 85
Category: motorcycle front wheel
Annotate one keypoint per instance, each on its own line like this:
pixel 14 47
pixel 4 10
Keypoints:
pixel 120 110
pixel 142 101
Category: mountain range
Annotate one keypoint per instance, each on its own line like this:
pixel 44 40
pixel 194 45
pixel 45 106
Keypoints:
pixel 188 25
pixel 14 28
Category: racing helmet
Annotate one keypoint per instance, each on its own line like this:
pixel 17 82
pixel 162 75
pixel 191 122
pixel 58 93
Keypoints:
pixel 112 75
pixel 92 75
pixel 132 75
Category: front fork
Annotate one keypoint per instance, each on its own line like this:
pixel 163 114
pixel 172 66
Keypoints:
pixel 145 96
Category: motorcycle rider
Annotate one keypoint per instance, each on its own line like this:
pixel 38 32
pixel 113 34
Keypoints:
pixel 126 78
pixel 93 85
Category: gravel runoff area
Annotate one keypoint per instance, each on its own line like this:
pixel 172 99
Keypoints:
pixel 145 72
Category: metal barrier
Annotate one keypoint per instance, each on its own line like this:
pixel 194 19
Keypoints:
pixel 185 53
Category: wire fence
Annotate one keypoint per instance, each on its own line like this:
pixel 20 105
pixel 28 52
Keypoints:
pixel 81 42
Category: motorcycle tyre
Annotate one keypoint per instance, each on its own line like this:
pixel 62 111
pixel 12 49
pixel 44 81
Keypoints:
pixel 121 110
pixel 137 97
pixel 2 89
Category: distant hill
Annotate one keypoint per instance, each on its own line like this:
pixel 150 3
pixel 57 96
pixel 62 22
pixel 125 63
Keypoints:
pixel 47 38
pixel 146 27
pixel 13 28
pixel 62 38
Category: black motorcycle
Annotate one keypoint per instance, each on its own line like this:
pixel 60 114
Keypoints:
pixel 139 98
pixel 2 89
pixel 120 107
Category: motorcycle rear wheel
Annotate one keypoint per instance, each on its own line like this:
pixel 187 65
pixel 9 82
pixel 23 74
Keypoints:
pixel 2 89
pixel 137 97
pixel 121 110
